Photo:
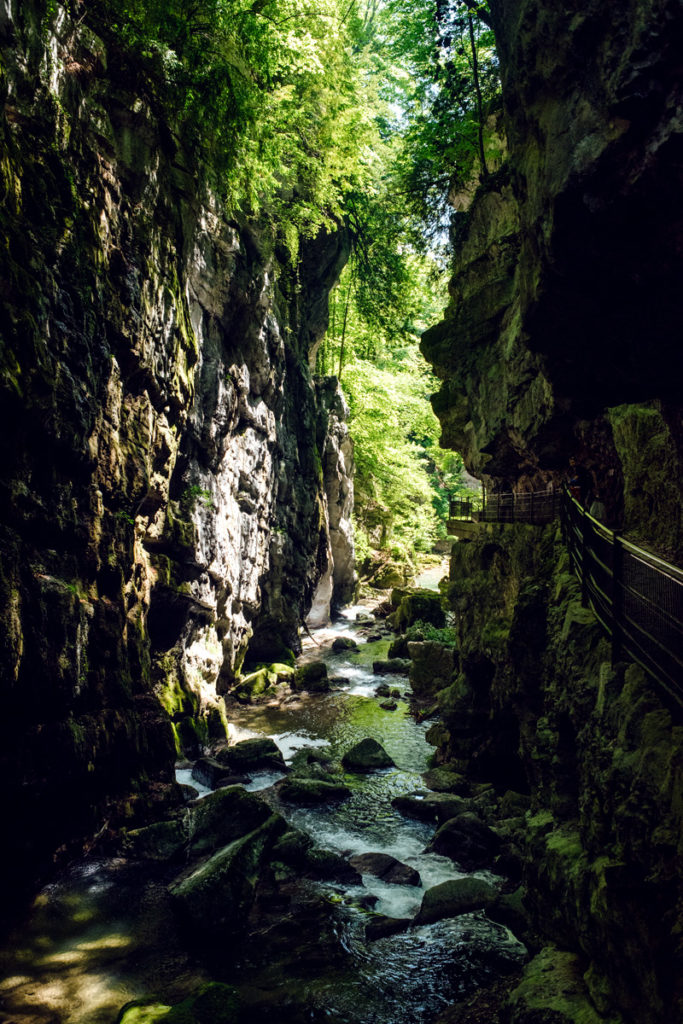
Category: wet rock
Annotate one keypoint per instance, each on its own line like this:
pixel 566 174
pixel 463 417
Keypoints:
pixel 373 637
pixel 339 681
pixel 188 792
pixel 388 868
pixel 446 780
pixel 364 617
pixel 419 606
pixel 388 705
pixel 379 926
pixel 312 677
pixel 467 840
pixel 398 648
pixel 553 991
pixel 313 791
pixel 224 816
pixel 326 864
pixel 439 807
pixel 509 909
pixel 383 690
pixel 160 841
pixel 432 666
pixel 213 774
pixel 262 681
pixel 216 897
pixel 292 847
pixel 367 756
pixel 252 755
pixel 344 643
pixel 458 896
pixel 214 1002
pixel 307 756
pixel 395 692
pixel 391 666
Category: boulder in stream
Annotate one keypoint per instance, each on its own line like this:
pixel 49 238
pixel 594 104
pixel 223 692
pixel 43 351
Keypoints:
pixel 313 791
pixel 210 772
pixel 439 807
pixel 383 866
pixel 224 816
pixel 367 756
pixel 388 705
pixel 312 677
pixel 444 779
pixel 379 926
pixel 344 643
pixel 454 897
pixel 215 898
pixel 257 754
pixel 391 666
pixel 467 840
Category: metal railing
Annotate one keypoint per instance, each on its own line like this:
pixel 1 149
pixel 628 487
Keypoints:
pixel 636 597
pixel 536 507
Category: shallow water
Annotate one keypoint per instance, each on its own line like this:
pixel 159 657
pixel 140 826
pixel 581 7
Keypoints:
pixel 106 934
pixel 405 978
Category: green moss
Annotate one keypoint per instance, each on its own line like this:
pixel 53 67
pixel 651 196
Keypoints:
pixel 214 1003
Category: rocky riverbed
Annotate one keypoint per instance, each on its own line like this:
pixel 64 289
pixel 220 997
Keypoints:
pixel 326 877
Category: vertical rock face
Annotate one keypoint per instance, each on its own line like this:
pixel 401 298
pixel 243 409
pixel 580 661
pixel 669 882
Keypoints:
pixel 566 297
pixel 562 337
pixel 162 486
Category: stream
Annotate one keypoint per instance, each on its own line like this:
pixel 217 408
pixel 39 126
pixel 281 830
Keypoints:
pixel 104 934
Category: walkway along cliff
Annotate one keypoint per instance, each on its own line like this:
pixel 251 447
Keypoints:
pixel 560 341
pixel 167 455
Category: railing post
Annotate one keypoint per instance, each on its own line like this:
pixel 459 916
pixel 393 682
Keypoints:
pixel 584 557
pixel 617 597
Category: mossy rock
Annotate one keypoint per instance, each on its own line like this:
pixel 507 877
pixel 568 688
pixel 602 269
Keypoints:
pixel 252 755
pixel 262 680
pixel 313 791
pixel 439 807
pixel 312 677
pixel 215 898
pixel 224 816
pixel 160 841
pixel 367 756
pixel 467 840
pixel 455 897
pixel 424 606
pixel 443 779
pixel 214 1003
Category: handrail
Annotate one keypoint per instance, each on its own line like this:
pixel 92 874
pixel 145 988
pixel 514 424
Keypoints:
pixel 636 596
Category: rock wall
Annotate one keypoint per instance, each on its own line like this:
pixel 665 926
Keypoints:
pixel 164 503
pixel 565 300
pixel 560 340
pixel 535 706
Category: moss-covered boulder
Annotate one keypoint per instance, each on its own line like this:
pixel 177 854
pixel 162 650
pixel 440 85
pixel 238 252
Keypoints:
pixel 344 643
pixel 432 666
pixel 439 807
pixel 366 756
pixel 257 754
pixel 160 841
pixel 216 897
pixel 210 772
pixel 224 816
pixel 297 790
pixel 391 666
pixel 263 681
pixel 467 840
pixel 388 868
pixel 454 897
pixel 419 606
pixel 214 1003
pixel 553 991
pixel 444 779
pixel 312 677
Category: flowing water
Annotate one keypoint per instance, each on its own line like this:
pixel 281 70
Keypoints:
pixel 105 934
pixel 405 978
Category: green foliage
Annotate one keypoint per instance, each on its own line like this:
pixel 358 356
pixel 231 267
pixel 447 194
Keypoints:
pixel 196 494
pixel 426 631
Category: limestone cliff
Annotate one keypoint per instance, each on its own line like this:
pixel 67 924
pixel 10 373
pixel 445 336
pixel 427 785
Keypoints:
pixel 164 498
pixel 565 299
pixel 562 338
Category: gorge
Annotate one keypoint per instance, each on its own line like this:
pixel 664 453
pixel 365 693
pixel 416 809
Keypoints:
pixel 177 488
